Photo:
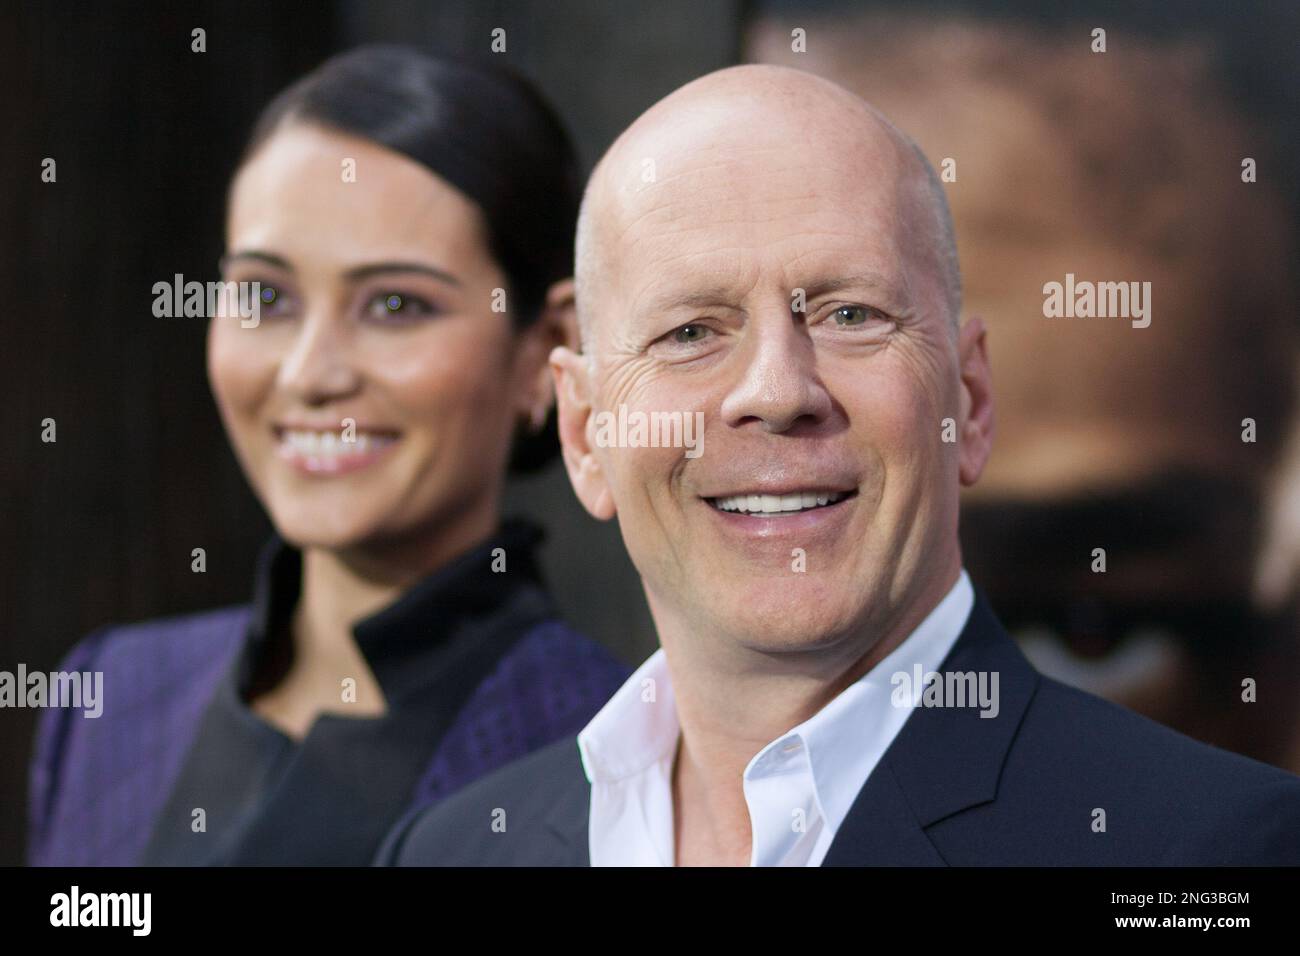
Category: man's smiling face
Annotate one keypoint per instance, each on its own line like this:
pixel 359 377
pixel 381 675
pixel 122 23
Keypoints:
pixel 825 500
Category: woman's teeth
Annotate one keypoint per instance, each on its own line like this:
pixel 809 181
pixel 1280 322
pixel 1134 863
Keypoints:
pixel 776 504
pixel 333 444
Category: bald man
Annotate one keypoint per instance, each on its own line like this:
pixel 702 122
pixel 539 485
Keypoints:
pixel 764 253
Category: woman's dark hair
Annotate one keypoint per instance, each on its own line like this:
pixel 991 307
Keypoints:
pixel 483 129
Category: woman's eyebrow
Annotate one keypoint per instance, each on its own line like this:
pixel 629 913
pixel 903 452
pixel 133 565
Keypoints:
pixel 380 268
pixel 357 272
pixel 254 255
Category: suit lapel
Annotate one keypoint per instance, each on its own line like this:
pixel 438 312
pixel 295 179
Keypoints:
pixel 943 761
pixel 568 817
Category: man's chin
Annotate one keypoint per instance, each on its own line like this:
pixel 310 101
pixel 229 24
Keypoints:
pixel 789 623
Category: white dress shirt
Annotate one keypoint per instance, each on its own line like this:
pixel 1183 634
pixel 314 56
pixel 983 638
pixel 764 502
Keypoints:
pixel 798 788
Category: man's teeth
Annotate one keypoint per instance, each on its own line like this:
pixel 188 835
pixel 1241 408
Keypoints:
pixel 776 504
pixel 321 444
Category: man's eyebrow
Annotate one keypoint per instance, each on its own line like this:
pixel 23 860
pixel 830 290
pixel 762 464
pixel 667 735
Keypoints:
pixel 868 279
pixel 357 272
pixel 721 296
pixel 688 299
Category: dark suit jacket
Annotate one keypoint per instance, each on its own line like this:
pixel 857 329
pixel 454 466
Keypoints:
pixel 954 789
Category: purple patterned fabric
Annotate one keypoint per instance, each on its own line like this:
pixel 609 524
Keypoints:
pixel 549 686
pixel 97 784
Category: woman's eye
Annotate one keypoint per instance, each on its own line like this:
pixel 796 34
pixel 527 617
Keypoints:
pixel 272 300
pixel 690 333
pixel 397 305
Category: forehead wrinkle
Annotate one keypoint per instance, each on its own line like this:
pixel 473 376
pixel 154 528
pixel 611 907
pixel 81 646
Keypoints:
pixel 677 207
pixel 724 235
pixel 608 200
pixel 674 189
pixel 716 286
pixel 830 263
pixel 831 269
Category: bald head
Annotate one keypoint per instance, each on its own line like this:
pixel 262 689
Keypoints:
pixel 705 141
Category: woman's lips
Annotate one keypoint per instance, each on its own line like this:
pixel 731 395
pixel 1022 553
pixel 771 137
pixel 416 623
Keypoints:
pixel 332 452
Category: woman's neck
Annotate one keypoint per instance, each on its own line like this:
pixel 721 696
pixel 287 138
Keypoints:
pixel 328 672
pixel 343 586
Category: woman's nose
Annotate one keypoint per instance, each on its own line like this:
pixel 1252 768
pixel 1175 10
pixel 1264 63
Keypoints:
pixel 320 365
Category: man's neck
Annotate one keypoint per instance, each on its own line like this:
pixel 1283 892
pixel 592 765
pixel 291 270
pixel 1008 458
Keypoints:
pixel 732 701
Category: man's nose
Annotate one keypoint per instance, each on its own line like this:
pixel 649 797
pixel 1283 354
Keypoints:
pixel 778 385
pixel 320 365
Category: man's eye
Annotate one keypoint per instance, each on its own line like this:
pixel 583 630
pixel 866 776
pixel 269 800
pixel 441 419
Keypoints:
pixel 854 315
pixel 690 333
pixel 396 305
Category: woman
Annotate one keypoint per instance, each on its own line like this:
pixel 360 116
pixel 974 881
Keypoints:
pixel 408 223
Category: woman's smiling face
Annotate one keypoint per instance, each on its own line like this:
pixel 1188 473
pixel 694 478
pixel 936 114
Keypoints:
pixel 375 399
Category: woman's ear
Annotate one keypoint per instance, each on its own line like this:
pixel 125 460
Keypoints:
pixel 573 390
pixel 562 309
pixel 557 325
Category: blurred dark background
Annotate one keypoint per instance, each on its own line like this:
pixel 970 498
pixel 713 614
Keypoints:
pixel 145 134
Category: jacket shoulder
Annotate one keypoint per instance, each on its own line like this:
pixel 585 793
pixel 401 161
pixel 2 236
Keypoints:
pixel 1088 782
pixel 1213 806
pixel 1105 733
pixel 177 634
pixel 149 664
pixel 532 812
pixel 156 676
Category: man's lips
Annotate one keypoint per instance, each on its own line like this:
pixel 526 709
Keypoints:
pixel 778 503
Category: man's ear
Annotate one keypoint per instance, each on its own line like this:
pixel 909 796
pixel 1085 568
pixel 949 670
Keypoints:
pixel 556 325
pixel 976 400
pixel 573 390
